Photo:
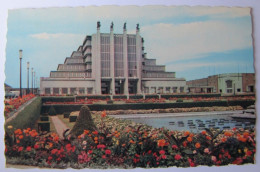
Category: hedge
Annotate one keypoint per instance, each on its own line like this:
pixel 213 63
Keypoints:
pixel 136 97
pixel 134 106
pixel 167 96
pixel 28 116
pixel 119 97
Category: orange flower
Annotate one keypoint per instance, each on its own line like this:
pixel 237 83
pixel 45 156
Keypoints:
pixel 228 134
pixel 131 141
pixel 224 139
pixel 189 139
pixel 197 145
pixel 208 137
pixel 21 137
pixel 245 134
pixel 123 145
pixel 161 143
pixel 95 138
pixel 86 132
pixel 186 133
pixel 203 132
pixel 103 114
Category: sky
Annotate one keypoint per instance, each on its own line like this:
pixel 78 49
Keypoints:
pixel 194 42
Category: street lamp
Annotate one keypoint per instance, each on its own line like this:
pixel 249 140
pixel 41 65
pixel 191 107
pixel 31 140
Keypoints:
pixel 28 65
pixel 20 57
pixel 32 80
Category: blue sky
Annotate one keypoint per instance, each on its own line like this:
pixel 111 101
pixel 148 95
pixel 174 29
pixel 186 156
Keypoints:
pixel 194 42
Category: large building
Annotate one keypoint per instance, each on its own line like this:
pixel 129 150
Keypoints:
pixel 109 63
pixel 229 83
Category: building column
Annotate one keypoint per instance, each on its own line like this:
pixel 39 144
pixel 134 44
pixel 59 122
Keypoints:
pixel 126 92
pixel 97 62
pixel 138 58
pixel 112 59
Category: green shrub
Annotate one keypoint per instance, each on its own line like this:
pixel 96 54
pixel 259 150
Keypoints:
pixel 179 100
pixel 66 115
pixel 110 102
pixel 84 122
pixel 44 118
pixel 73 118
pixel 27 117
pixel 44 126
pixel 52 111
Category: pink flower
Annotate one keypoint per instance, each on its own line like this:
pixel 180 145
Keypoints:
pixel 177 157
pixel 206 150
pixel 20 149
pixel 174 146
pixel 101 146
pixel 161 152
pixel 164 156
pixel 213 158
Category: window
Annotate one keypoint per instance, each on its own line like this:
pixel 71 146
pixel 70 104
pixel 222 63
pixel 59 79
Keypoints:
pixel 174 89
pixel 168 89
pixel 56 90
pixel 238 90
pixel 73 91
pixel 229 83
pixel 64 90
pixel 181 89
pixel 81 90
pixel 160 90
pixel 153 89
pixel 146 89
pixel 90 90
pixel 47 91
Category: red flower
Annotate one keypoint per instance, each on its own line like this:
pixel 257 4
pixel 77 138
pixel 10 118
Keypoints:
pixel 177 157
pixel 164 156
pixel 103 114
pixel 248 153
pixel 103 156
pixel 20 149
pixel 174 146
pixel 29 148
pixel 108 152
pixel 161 152
pixel 36 146
pixel 54 151
pixel 101 146
pixel 90 152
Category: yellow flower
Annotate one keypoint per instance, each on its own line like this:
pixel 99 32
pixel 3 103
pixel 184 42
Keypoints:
pixel 239 150
pixel 10 127
pixel 245 150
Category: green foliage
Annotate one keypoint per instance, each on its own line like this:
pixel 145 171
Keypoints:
pixel 84 122
pixel 52 111
pixel 44 118
pixel 73 118
pixel 27 117
pixel 66 114
pixel 44 126
pixel 179 100
pixel 110 102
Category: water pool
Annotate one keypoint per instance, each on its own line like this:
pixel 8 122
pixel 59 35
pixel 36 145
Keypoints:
pixel 194 123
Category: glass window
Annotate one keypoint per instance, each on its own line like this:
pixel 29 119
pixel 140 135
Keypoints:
pixel 47 91
pixel 73 91
pixel 90 90
pixel 181 89
pixel 56 90
pixel 229 83
pixel 64 90
pixel 81 90
pixel 174 89
pixel 168 89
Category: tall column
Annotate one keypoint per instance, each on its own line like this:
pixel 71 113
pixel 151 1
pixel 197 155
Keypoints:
pixel 138 58
pixel 112 59
pixel 98 62
pixel 125 60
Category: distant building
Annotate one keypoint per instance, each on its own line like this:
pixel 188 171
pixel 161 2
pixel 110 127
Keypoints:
pixel 229 83
pixel 109 63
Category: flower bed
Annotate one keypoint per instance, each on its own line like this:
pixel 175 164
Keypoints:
pixel 124 144
pixel 14 104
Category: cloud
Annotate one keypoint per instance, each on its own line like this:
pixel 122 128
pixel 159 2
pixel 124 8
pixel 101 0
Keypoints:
pixel 47 36
pixel 189 66
pixel 170 42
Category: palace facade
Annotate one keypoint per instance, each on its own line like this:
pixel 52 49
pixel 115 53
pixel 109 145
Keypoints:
pixel 110 63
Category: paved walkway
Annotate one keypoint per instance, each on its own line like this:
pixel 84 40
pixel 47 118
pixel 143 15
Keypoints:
pixel 59 125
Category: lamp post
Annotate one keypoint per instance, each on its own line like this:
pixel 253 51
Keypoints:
pixel 20 57
pixel 28 65
pixel 32 80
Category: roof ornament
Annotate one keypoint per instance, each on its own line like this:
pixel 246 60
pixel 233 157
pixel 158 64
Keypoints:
pixel 112 25
pixel 137 27
pixel 98 24
pixel 125 26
